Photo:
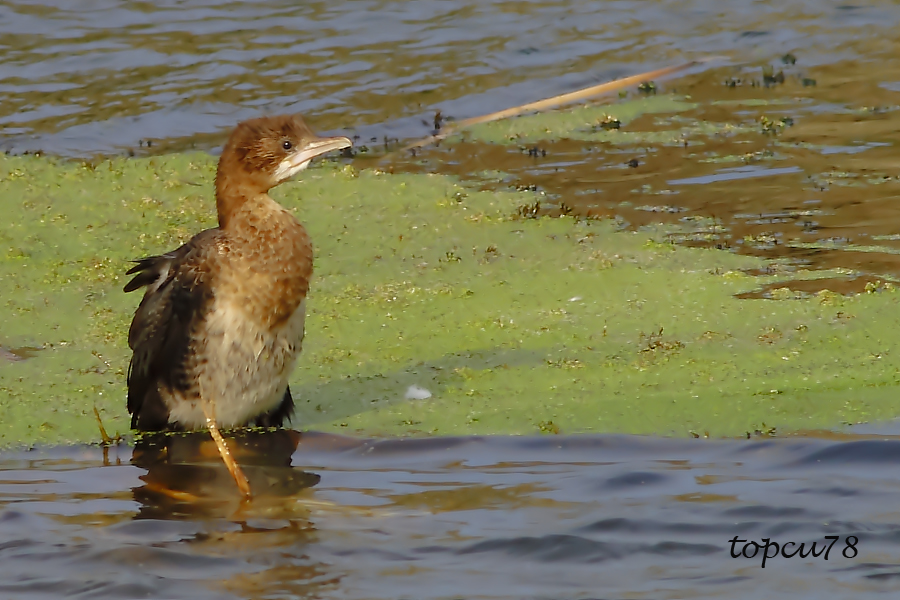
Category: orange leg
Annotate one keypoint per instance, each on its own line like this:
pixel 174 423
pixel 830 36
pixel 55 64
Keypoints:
pixel 235 469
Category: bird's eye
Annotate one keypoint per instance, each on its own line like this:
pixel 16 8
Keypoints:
pixel 287 145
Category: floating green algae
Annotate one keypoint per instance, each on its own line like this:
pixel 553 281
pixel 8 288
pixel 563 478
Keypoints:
pixel 512 325
pixel 597 122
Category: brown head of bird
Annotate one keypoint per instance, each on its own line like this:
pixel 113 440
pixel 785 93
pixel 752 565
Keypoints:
pixel 262 153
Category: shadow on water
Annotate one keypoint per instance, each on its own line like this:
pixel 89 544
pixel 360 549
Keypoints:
pixel 498 517
pixel 381 388
pixel 17 354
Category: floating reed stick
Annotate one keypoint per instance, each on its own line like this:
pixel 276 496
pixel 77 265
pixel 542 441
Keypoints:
pixel 556 101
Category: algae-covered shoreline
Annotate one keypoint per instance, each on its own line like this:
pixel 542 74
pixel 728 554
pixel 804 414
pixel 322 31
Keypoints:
pixel 513 325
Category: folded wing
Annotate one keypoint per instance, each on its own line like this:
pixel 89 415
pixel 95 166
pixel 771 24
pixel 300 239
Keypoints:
pixel 165 327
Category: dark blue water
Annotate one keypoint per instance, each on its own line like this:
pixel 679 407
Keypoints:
pixel 545 517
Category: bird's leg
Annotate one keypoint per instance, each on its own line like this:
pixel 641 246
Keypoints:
pixel 235 469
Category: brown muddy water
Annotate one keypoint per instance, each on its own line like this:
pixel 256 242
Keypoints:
pixel 542 517
pixel 549 517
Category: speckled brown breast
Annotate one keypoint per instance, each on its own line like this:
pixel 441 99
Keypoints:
pixel 270 258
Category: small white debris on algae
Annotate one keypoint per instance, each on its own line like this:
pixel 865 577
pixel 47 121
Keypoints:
pixel 416 392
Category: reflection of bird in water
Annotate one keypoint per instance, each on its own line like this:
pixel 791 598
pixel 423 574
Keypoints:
pixel 185 475
pixel 220 326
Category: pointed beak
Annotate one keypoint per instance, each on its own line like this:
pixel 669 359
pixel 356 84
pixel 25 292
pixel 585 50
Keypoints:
pixel 319 146
pixel 299 160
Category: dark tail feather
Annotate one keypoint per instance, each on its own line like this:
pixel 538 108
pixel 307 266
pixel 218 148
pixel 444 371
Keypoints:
pixel 153 269
pixel 148 270
pixel 278 415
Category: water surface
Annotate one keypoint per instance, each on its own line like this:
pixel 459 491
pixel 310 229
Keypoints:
pixel 99 76
pixel 544 517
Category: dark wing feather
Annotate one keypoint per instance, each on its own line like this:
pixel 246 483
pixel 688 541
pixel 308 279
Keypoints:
pixel 178 292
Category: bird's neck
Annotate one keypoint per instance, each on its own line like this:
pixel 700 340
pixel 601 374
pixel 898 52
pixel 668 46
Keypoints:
pixel 235 209
pixel 236 191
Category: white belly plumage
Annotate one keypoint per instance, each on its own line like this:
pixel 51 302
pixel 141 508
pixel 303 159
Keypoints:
pixel 246 368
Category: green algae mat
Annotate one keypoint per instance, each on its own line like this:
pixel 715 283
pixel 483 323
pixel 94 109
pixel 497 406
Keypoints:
pixel 435 309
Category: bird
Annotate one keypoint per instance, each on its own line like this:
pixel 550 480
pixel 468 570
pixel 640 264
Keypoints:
pixel 221 324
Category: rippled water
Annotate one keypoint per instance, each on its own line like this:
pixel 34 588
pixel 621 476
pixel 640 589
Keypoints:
pixel 79 77
pixel 546 517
